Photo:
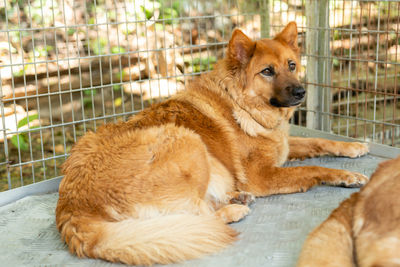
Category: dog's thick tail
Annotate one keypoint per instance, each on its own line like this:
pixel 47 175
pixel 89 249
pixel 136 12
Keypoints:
pixel 165 239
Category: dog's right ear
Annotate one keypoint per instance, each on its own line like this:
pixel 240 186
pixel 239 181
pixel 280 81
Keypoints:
pixel 240 48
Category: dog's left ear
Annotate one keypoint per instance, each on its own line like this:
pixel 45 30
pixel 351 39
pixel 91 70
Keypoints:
pixel 289 36
pixel 240 48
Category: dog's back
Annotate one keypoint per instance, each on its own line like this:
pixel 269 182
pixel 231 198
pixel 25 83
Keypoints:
pixel 364 230
pixel 134 196
pixel 376 225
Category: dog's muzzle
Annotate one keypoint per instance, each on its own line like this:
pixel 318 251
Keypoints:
pixel 295 96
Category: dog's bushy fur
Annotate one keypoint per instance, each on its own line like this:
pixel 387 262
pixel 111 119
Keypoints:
pixel 161 187
pixel 364 230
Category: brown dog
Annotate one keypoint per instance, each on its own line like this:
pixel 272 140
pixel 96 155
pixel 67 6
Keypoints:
pixel 161 187
pixel 364 230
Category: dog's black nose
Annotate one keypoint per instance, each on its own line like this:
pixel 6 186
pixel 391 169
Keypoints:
pixel 298 92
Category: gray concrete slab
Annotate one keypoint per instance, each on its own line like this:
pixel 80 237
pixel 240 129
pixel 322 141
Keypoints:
pixel 272 235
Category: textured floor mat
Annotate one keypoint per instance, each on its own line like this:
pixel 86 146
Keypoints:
pixel 272 235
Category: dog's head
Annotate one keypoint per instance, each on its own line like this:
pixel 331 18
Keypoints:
pixel 268 68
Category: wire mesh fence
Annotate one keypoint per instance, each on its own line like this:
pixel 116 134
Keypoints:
pixel 67 67
pixel 355 70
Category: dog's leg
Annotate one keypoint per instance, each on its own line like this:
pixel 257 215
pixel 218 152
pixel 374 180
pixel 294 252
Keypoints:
pixel 331 243
pixel 264 180
pixel 275 180
pixel 300 148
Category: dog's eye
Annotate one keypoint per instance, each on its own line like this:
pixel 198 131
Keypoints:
pixel 268 72
pixel 292 66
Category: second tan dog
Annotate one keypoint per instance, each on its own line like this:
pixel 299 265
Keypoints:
pixel 161 187
pixel 364 230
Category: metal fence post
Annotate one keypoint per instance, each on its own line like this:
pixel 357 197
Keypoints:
pixel 264 16
pixel 318 67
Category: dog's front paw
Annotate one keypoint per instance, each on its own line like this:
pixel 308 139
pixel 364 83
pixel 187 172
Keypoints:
pixel 354 150
pixel 351 179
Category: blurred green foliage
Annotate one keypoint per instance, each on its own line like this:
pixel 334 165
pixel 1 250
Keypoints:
pixel 20 140
pixel 202 64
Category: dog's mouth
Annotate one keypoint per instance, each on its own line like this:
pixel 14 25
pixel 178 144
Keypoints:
pixel 276 103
